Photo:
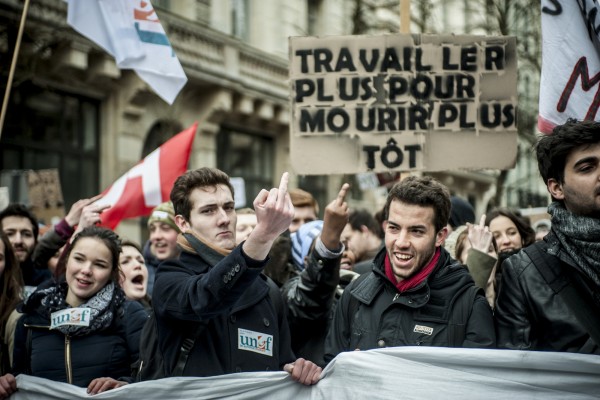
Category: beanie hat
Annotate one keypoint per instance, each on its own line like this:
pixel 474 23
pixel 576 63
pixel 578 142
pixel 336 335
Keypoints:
pixel 302 239
pixel 164 213
pixel 450 243
pixel 461 212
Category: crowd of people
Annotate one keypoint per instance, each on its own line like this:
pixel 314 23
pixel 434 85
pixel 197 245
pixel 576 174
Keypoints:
pixel 273 287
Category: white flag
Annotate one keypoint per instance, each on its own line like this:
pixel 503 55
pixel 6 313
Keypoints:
pixel 570 82
pixel 130 31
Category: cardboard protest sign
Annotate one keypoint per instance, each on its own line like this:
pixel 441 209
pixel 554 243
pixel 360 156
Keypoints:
pixel 402 102
pixel 45 194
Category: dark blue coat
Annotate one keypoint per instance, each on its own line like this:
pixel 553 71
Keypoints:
pixel 52 355
pixel 236 309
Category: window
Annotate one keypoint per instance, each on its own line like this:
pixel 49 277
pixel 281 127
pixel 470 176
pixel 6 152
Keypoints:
pixel 239 19
pixel 248 156
pixel 314 11
pixel 47 128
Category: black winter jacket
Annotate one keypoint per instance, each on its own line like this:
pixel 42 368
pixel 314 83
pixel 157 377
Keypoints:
pixel 310 300
pixel 79 359
pixel 241 326
pixel 530 316
pixel 418 316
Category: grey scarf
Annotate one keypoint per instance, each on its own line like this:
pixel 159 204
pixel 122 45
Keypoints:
pixel 579 236
pixel 103 305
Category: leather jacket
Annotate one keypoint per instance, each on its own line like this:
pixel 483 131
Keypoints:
pixel 530 315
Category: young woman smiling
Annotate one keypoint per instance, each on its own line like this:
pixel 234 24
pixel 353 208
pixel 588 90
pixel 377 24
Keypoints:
pixel 81 330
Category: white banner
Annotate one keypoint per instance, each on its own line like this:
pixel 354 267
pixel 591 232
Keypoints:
pixel 394 373
pixel 570 82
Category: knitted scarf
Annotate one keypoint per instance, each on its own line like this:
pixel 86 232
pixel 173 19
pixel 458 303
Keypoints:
pixel 414 280
pixel 186 246
pixel 102 305
pixel 580 238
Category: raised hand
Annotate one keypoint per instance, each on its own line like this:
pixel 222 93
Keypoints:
pixel 274 214
pixel 74 213
pixel 335 219
pixel 90 215
pixel 480 237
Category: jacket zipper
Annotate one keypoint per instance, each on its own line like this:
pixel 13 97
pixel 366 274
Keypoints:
pixel 68 366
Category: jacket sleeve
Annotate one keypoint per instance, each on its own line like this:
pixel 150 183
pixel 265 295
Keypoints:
pixel 480 267
pixel 480 332
pixel 310 296
pixel 338 337
pixel 50 243
pixel 135 318
pixel 513 326
pixel 20 354
pixel 182 294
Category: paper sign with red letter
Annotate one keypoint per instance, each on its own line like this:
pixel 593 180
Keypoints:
pixel 149 183
pixel 570 82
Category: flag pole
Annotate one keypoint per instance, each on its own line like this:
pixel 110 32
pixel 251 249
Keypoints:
pixel 404 16
pixel 13 66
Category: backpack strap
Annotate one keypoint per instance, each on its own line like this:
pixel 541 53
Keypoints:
pixel 460 311
pixel 189 340
pixel 565 283
pixel 548 266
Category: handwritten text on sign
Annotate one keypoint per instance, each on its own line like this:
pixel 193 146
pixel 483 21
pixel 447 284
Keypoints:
pixel 369 90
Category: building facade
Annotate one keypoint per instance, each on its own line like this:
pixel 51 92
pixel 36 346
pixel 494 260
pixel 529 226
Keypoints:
pixel 72 109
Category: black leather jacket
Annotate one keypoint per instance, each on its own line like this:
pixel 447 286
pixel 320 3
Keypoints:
pixel 530 316
pixel 310 299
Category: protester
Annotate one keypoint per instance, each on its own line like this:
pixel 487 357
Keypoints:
pixel 310 295
pixel 461 213
pixel 163 239
pixel 511 233
pixel 80 330
pixel 364 237
pixel 302 241
pixel 245 224
pixel 21 228
pixel 474 246
pixel 416 293
pixel 134 274
pixel 306 208
pixel 541 228
pixel 11 290
pixel 549 296
pixel 216 289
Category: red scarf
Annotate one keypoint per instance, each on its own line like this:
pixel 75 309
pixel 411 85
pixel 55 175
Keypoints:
pixel 414 280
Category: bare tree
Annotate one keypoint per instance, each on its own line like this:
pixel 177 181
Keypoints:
pixel 522 19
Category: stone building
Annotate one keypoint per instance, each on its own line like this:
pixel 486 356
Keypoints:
pixel 72 109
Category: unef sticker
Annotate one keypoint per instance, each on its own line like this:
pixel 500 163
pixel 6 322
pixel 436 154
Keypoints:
pixel 423 329
pixel 255 341
pixel 71 316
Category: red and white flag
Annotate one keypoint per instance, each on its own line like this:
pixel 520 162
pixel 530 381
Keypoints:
pixel 570 82
pixel 149 183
